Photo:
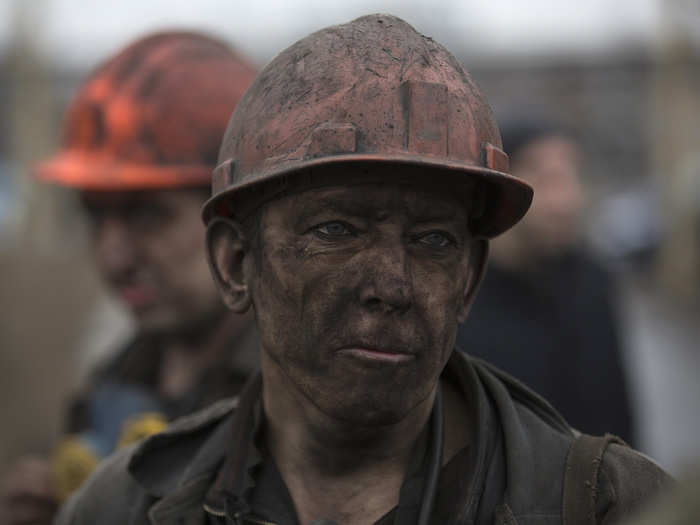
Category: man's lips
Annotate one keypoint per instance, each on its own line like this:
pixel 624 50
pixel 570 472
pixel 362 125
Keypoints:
pixel 138 296
pixel 377 354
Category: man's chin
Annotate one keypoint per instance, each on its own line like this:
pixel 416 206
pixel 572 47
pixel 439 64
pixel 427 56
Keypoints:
pixel 357 419
pixel 365 412
pixel 155 322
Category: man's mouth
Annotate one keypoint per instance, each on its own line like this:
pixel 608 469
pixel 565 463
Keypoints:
pixel 379 355
pixel 137 296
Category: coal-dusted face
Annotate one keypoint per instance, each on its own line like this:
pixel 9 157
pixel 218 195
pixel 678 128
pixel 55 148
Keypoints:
pixel 148 248
pixel 358 291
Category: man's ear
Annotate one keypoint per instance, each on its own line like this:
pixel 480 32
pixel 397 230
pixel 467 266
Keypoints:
pixel 228 253
pixel 478 257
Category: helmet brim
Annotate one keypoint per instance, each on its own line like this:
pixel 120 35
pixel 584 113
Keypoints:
pixel 94 171
pixel 507 197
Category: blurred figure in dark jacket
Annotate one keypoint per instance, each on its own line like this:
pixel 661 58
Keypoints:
pixel 552 303
pixel 139 142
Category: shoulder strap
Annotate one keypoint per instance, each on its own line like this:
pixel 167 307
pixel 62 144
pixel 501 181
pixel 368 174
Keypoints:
pixel 581 478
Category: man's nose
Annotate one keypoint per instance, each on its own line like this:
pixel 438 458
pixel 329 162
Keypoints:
pixel 114 246
pixel 386 286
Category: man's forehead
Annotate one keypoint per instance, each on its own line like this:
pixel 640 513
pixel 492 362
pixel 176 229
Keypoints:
pixel 417 201
pixel 125 198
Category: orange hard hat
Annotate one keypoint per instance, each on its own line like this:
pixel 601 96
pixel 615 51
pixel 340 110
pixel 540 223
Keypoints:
pixel 371 99
pixel 152 116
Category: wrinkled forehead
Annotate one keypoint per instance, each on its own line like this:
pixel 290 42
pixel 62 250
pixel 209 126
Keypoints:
pixel 411 193
pixel 378 200
pixel 375 184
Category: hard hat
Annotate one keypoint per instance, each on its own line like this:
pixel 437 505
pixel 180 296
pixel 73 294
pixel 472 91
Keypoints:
pixel 370 97
pixel 152 116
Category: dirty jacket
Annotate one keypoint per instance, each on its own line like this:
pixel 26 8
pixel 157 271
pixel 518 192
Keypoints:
pixel 520 452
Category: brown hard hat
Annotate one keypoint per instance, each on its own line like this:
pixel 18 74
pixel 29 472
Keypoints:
pixel 369 98
pixel 152 116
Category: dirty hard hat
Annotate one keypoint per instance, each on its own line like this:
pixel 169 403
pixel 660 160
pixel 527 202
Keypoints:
pixel 152 116
pixel 369 100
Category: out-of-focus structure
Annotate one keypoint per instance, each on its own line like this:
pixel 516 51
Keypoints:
pixel 676 147
pixel 52 304
pixel 636 112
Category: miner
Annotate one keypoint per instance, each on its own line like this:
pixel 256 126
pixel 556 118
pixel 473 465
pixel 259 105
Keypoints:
pixel 359 182
pixel 140 139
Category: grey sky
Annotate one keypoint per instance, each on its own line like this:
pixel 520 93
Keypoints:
pixel 79 32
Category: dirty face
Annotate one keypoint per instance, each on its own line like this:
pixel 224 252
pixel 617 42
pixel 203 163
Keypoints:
pixel 552 166
pixel 358 291
pixel 148 247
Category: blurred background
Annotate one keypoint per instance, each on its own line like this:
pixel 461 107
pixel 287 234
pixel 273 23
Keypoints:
pixel 624 75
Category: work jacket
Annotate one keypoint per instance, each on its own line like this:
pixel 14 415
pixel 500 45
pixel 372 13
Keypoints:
pixel 122 404
pixel 520 458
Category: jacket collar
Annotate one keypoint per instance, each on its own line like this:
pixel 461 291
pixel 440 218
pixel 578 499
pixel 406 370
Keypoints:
pixel 227 493
pixel 536 440
pixel 190 448
pixel 180 466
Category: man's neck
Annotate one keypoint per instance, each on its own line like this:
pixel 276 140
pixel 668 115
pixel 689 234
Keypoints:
pixel 334 469
pixel 186 359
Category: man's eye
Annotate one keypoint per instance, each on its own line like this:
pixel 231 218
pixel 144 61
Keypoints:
pixel 334 229
pixel 436 239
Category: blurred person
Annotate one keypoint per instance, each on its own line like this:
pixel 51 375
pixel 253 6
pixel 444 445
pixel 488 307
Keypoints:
pixel 552 303
pixel 140 141
pixel 359 182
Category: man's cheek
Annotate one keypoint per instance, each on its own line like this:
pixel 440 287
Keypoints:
pixel 442 304
pixel 440 294
pixel 278 274
pixel 324 280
